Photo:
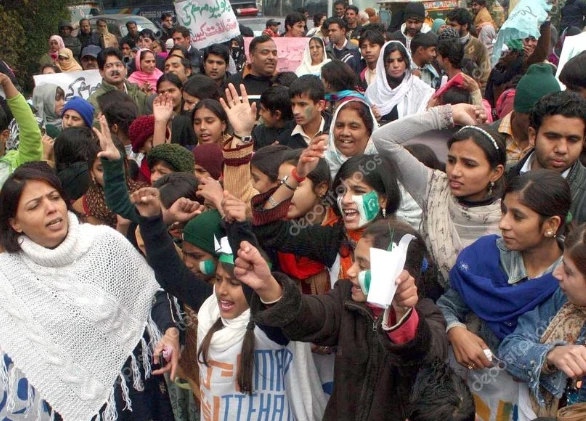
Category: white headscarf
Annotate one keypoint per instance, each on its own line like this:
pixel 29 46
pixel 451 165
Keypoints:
pixel 380 93
pixel 306 68
pixel 333 156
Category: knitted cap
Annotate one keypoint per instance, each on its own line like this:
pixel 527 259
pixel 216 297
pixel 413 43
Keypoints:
pixel 174 155
pixel 210 157
pixel 534 85
pixel 414 11
pixel 448 33
pixel 200 231
pixel 84 108
pixel 140 130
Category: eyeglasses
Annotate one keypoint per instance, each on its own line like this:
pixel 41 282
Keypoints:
pixel 112 65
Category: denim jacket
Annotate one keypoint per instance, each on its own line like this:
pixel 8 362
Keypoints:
pixel 525 356
pixel 455 309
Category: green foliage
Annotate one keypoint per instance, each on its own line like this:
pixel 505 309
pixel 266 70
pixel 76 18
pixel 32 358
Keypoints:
pixel 25 28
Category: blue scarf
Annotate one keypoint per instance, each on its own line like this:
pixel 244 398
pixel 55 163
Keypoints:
pixel 347 93
pixel 483 285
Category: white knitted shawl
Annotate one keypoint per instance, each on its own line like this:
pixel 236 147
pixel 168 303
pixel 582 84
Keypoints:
pixel 70 317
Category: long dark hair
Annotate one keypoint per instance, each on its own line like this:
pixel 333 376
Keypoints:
pixel 11 194
pixel 246 369
pixel 575 247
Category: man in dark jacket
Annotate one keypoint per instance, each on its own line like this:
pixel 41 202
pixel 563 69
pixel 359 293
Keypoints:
pixel 557 128
pixel 413 18
pixel 573 14
pixel 86 36
pixel 69 40
pixel 339 47
pixel 182 37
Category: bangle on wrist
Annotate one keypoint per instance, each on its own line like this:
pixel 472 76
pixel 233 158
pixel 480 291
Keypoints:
pixel 270 302
pixel 273 202
pixel 296 176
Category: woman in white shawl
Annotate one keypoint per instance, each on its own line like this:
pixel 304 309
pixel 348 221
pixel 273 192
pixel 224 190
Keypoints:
pixel 314 57
pixel 350 135
pixel 396 92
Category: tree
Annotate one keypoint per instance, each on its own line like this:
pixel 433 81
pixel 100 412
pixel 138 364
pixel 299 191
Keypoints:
pixel 25 28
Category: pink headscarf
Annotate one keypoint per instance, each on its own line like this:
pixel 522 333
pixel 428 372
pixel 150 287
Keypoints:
pixel 140 78
pixel 55 55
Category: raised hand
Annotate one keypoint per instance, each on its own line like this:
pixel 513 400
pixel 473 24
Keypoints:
pixel 162 108
pixel 468 115
pixel 469 83
pixel 147 201
pixel 212 191
pixel 310 156
pixel 406 294
pixel 182 211
pixel 240 113
pixel 109 150
pixel 469 348
pixel 254 271
pixel 168 346
pixel 233 209
pixel 48 143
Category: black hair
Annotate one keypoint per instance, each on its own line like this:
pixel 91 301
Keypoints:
pixel 301 10
pixel 456 95
pixel 10 196
pixel 215 107
pixel 6 116
pixel 293 18
pixel 377 172
pixel 440 394
pixel 118 108
pixel 128 41
pixel 309 85
pixel 82 20
pixel 176 185
pixel 72 145
pixel 317 18
pixel 107 52
pixel 564 103
pixel 276 98
pixel 219 50
pixel 321 173
pixel 372 36
pixel 181 48
pixel 545 192
pixel 171 78
pixel 261 39
pixel 147 33
pixel 480 2
pixel 573 75
pixel 268 160
pixel 575 247
pixel 423 40
pixel 284 79
pixel 397 46
pixel 339 75
pixel 202 87
pixel 352 7
pixel 453 50
pixel 130 22
pixel 182 30
pixel 342 2
pixel 426 156
pixel 338 21
pixel 101 20
pixel 462 16
pixel 166 15
pixel 55 68
pixel 184 61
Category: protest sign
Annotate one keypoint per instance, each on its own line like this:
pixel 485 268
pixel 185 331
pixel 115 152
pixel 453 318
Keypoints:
pixel 289 51
pixel 210 21
pixel 81 84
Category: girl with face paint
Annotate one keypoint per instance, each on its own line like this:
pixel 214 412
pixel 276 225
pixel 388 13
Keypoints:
pixel 375 345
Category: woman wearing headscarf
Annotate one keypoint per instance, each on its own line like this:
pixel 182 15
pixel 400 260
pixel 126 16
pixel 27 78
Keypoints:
pixel 49 100
pixel 55 44
pixel 146 74
pixel 66 62
pixel 314 57
pixel 395 92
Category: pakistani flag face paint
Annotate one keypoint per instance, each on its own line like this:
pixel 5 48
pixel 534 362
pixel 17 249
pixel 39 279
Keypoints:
pixel 364 281
pixel 363 209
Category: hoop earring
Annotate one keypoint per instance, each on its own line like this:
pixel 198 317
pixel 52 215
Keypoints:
pixel 490 187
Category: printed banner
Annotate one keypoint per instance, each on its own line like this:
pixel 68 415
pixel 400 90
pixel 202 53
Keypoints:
pixel 82 83
pixel 210 21
pixel 289 52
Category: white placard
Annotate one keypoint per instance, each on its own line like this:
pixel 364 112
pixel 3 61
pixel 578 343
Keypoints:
pixel 209 21
pixel 81 84
pixel 385 268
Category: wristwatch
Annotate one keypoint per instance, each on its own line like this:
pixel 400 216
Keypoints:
pixel 243 139
pixel 284 183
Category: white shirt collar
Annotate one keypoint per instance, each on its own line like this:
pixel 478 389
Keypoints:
pixel 529 162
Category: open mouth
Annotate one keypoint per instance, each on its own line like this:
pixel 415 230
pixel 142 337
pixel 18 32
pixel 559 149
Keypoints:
pixel 55 224
pixel 350 215
pixel 225 305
